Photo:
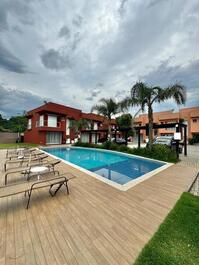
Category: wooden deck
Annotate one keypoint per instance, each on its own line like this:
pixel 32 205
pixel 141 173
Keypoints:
pixel 95 224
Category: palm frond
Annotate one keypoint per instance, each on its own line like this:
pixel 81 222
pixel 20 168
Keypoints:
pixel 140 94
pixel 177 92
pixel 107 108
pixel 100 109
pixel 125 104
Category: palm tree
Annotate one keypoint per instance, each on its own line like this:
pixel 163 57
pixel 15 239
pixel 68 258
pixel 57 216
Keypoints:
pixel 107 108
pixel 145 96
pixel 78 125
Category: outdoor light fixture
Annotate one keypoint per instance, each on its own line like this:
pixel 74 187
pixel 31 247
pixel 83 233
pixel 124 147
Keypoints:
pixel 177 136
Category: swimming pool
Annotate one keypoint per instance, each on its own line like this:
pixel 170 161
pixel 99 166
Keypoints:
pixel 113 167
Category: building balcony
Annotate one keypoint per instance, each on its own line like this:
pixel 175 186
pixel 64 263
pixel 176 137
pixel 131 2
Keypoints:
pixel 45 127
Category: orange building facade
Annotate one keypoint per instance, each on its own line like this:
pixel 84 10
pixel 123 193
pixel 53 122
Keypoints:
pixel 189 116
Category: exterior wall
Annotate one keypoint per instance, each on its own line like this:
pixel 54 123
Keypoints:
pixel 98 123
pixel 35 136
pixel 187 115
pixel 7 137
pixel 194 125
pixel 32 134
pixel 37 132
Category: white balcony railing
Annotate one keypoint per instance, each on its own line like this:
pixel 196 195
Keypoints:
pixel 44 124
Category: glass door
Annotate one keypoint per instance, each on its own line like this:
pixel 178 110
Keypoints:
pixel 53 138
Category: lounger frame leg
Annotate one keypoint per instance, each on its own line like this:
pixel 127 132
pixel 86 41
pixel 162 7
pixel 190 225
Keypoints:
pixel 66 184
pixel 29 195
pixel 54 193
pixel 6 179
pixel 58 188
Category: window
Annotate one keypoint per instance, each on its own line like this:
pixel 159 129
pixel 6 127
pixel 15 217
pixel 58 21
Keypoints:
pixel 95 127
pixel 194 120
pixel 52 121
pixel 53 138
pixel 90 125
pixel 29 124
pixel 85 137
pixel 41 120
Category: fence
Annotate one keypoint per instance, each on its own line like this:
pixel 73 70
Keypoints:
pixel 7 137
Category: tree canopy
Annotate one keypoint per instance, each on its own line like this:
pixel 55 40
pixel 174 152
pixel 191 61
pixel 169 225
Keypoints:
pixel 14 124
pixel 124 121
pixel 78 125
pixel 108 108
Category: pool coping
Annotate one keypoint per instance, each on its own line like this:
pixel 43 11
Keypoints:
pixel 120 187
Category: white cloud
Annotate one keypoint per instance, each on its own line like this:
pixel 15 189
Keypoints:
pixel 64 49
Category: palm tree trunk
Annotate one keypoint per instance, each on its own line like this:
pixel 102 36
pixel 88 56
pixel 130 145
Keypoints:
pixel 150 118
pixel 109 130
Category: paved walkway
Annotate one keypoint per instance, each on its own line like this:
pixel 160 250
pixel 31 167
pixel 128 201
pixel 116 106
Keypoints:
pixel 95 224
pixel 192 161
pixel 195 188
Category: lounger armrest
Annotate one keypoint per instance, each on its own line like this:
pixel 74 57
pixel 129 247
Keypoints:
pixel 48 182
pixel 67 175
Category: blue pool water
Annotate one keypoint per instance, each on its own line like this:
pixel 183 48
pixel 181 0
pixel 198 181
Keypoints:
pixel 119 168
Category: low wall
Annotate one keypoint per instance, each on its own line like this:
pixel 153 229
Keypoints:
pixel 7 137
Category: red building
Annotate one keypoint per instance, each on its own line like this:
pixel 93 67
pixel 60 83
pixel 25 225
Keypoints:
pixel 50 124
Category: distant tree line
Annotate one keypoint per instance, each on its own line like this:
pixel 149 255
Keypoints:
pixel 13 124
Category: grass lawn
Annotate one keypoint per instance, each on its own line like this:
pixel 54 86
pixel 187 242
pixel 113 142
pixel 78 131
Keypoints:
pixel 177 240
pixel 15 145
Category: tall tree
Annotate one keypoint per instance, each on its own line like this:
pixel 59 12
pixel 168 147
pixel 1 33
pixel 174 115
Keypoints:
pixel 145 96
pixel 17 124
pixel 3 123
pixel 124 121
pixel 107 108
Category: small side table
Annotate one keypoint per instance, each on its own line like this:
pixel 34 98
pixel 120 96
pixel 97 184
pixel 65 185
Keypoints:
pixel 38 170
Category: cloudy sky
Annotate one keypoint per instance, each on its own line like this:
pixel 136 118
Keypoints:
pixel 76 52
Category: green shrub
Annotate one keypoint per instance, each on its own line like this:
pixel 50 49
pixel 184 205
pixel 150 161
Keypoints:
pixel 116 147
pixel 194 140
pixel 80 144
pixel 125 149
pixel 107 145
pixel 191 141
pixel 159 152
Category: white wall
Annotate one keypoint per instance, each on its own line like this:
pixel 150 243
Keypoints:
pixel 67 127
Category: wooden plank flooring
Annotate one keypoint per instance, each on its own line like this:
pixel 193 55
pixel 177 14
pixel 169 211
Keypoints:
pixel 95 224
